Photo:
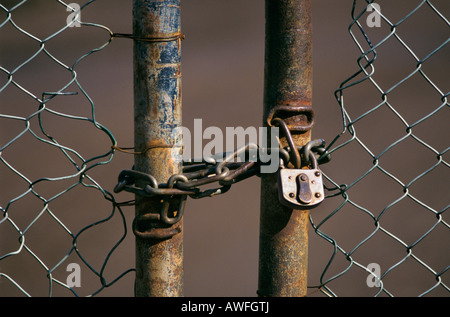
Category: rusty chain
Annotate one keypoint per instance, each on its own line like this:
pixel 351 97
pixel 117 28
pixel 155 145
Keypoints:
pixel 224 172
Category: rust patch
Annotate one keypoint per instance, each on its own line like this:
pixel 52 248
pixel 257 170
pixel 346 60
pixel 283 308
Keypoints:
pixel 288 83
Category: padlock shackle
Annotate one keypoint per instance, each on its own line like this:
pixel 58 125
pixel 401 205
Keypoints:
pixel 281 123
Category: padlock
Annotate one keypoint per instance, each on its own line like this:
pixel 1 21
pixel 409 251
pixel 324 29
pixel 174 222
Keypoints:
pixel 300 188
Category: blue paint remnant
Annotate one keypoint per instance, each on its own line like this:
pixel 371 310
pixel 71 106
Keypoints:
pixel 159 73
pixel 170 53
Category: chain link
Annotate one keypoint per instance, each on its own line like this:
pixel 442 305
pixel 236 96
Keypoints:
pixel 209 170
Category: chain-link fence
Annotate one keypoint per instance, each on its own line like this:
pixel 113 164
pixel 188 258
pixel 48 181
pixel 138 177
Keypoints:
pixel 389 180
pixel 62 109
pixel 51 146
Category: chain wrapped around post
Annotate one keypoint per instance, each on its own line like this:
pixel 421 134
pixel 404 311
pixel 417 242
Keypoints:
pixel 224 172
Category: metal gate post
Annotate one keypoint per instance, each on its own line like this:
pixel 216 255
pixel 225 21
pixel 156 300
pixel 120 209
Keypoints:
pixel 157 112
pixel 283 247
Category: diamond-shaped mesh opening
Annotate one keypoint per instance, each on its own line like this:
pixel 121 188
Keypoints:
pixel 395 108
pixel 387 185
pixel 51 146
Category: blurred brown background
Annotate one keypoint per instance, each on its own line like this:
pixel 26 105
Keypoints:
pixel 223 64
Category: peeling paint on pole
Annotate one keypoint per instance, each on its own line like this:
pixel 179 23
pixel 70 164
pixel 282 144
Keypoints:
pixel 157 112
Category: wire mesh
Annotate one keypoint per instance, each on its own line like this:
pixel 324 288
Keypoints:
pixel 386 210
pixel 393 146
pixel 43 161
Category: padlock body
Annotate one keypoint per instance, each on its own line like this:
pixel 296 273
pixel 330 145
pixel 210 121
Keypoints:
pixel 300 188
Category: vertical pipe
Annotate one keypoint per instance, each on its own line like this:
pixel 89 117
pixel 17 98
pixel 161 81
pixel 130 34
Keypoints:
pixel 283 247
pixel 157 112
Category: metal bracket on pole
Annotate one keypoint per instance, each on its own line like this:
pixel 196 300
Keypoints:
pixel 298 117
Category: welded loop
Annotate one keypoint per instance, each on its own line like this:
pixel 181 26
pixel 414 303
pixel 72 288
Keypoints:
pixel 296 159
pixel 292 113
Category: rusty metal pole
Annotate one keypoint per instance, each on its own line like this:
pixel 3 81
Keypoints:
pixel 157 112
pixel 283 251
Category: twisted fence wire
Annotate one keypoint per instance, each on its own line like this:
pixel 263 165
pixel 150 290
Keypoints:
pixel 433 263
pixel 36 124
